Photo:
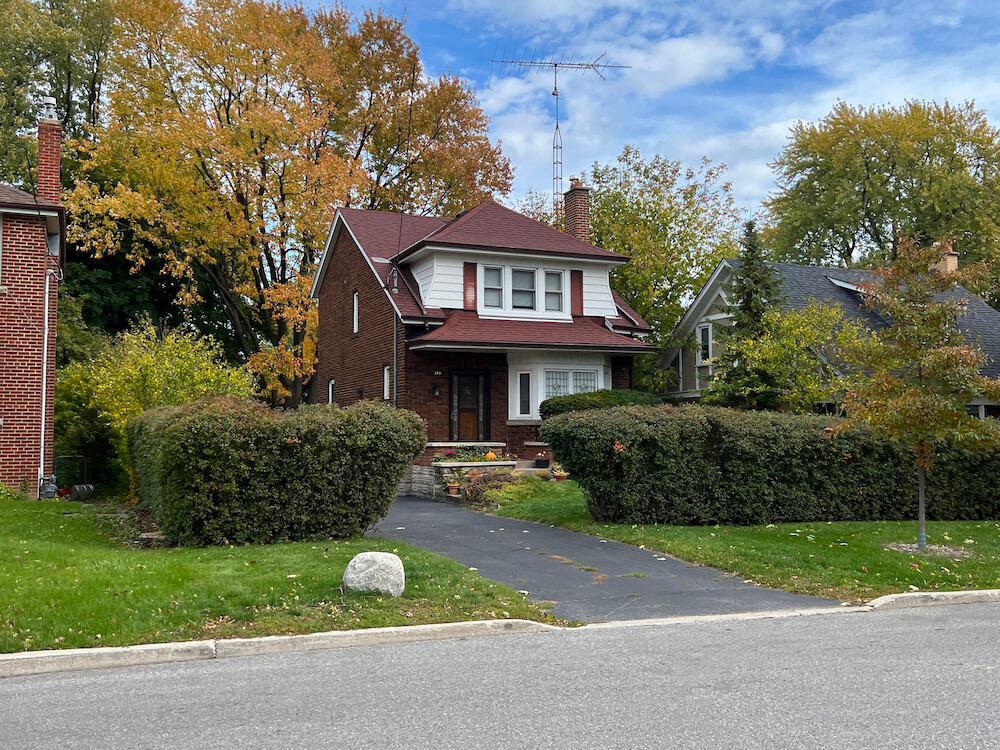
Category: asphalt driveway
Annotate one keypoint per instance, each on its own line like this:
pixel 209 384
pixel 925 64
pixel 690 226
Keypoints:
pixel 585 578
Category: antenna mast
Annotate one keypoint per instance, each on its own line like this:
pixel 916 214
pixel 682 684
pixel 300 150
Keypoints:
pixel 597 66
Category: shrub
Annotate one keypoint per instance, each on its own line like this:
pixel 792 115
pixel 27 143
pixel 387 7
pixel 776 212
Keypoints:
pixel 232 470
pixel 705 465
pixel 550 407
pixel 476 491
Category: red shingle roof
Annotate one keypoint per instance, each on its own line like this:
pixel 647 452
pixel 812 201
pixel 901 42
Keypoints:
pixel 490 225
pixel 466 328
pixel 11 197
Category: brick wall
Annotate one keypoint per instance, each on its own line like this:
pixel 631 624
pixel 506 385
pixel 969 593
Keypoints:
pixel 23 266
pixel 355 361
pixel 49 143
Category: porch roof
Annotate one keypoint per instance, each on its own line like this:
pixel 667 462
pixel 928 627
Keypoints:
pixel 464 329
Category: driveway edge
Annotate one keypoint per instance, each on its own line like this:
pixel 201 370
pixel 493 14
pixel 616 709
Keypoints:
pixel 934 598
pixel 73 659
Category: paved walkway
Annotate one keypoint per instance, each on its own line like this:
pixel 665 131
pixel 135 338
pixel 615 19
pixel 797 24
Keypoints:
pixel 584 577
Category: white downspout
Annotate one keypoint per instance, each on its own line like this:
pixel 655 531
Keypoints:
pixel 45 380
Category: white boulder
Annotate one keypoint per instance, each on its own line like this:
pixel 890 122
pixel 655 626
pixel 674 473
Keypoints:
pixel 381 572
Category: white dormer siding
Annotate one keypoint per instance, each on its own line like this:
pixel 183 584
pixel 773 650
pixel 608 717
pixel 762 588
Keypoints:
pixel 441 281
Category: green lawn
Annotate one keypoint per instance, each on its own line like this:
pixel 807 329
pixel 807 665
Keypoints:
pixel 843 560
pixel 66 581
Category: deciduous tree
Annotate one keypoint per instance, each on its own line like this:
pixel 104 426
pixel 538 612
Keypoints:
pixel 676 223
pixel 922 371
pixel 854 183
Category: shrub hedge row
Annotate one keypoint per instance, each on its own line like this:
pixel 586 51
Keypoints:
pixel 229 470
pixel 550 407
pixel 702 465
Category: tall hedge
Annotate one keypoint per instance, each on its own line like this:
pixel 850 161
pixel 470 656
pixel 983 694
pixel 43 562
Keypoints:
pixel 702 465
pixel 603 399
pixel 232 470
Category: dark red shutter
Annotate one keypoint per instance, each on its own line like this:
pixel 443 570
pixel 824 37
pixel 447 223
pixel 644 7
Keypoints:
pixel 470 286
pixel 576 292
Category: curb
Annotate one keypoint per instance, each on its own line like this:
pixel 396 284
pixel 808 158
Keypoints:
pixel 934 598
pixel 776 614
pixel 74 659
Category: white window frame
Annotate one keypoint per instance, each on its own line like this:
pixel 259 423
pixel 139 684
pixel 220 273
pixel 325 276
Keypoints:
pixel 570 372
pixel 521 395
pixel 502 287
pixel 545 291
pixel 701 360
pixel 329 390
pixel 534 288
pixel 355 326
pixel 385 383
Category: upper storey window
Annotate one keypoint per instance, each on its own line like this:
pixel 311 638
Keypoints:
pixel 522 286
pixel 493 286
pixel 553 291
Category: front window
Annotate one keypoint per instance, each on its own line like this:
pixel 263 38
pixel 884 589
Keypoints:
pixel 585 381
pixel 704 343
pixel 524 393
pixel 492 287
pixel 553 291
pixel 556 383
pixel 563 382
pixel 522 285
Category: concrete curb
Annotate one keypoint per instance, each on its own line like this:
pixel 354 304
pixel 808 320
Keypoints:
pixel 934 598
pixel 73 659
pixel 735 617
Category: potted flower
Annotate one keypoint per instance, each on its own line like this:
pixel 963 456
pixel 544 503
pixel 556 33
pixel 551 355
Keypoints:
pixel 559 473
pixel 541 460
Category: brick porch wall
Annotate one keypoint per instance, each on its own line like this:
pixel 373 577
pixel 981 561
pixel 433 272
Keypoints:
pixel 23 265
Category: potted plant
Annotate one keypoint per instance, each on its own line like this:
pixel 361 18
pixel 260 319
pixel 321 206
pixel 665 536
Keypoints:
pixel 559 473
pixel 452 479
pixel 541 460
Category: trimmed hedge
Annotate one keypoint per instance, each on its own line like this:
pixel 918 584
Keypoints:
pixel 550 407
pixel 229 470
pixel 697 465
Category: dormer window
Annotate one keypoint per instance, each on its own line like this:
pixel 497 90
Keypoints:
pixel 522 285
pixel 553 291
pixel 493 286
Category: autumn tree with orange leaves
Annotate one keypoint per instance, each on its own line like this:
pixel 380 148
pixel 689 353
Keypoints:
pixel 922 372
pixel 235 129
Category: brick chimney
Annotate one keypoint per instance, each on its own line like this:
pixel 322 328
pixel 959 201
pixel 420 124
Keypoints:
pixel 577 207
pixel 49 142
pixel 949 261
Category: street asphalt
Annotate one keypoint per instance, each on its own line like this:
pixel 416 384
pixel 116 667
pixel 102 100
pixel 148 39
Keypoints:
pixel 911 678
pixel 585 578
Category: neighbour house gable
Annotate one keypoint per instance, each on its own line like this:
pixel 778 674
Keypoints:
pixel 802 284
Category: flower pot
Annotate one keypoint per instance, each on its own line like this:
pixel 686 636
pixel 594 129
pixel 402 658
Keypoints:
pixel 453 488
pixel 561 476
pixel 541 463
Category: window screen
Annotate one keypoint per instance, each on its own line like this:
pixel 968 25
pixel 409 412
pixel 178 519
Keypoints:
pixel 553 291
pixel 492 287
pixel 522 285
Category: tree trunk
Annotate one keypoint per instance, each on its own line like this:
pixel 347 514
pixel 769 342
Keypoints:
pixel 921 508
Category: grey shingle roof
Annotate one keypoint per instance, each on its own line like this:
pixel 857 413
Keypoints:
pixel 981 323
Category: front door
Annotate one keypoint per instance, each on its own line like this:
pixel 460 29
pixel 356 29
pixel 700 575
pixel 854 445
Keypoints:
pixel 469 407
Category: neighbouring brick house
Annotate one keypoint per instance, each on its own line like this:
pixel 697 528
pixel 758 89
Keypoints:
pixel 32 237
pixel 470 321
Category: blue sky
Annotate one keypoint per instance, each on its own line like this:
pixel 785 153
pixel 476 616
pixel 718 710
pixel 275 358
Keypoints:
pixel 718 78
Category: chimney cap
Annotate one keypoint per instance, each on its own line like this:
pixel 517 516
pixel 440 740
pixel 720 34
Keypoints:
pixel 49 103
pixel 576 183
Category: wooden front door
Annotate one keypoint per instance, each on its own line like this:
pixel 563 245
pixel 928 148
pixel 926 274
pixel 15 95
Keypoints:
pixel 469 407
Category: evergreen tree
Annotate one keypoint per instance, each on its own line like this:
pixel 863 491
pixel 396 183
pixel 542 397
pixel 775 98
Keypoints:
pixel 753 290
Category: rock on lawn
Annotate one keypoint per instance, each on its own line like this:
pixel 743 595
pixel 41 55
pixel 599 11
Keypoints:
pixel 381 572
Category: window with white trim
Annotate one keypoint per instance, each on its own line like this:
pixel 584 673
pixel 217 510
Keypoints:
pixel 553 291
pixel 385 382
pixel 704 343
pixel 492 286
pixel 355 326
pixel 329 391
pixel 522 289
pixel 524 394
pixel 563 382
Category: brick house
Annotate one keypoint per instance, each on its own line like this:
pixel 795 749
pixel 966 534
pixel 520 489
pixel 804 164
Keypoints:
pixel 470 321
pixel 32 239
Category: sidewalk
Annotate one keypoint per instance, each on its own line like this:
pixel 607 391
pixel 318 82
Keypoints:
pixel 584 577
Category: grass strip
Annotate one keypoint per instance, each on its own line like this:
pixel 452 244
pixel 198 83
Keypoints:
pixel 69 579
pixel 842 560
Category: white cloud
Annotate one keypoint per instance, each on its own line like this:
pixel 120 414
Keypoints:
pixel 683 61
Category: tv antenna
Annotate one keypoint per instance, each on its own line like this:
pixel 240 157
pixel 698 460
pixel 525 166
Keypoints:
pixel 597 65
